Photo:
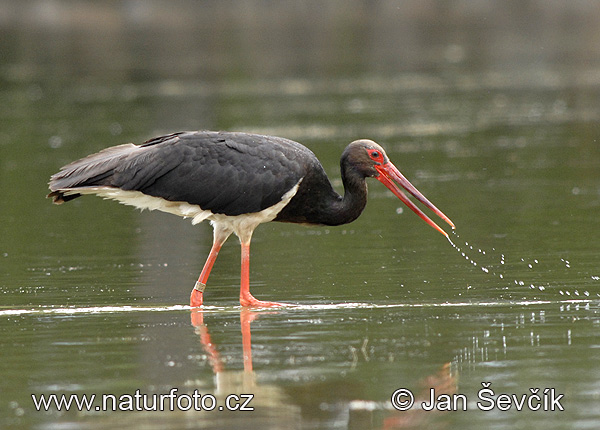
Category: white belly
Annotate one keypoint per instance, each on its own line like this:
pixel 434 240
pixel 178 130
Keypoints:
pixel 242 225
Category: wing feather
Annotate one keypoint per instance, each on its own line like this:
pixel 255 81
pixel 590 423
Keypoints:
pixel 228 173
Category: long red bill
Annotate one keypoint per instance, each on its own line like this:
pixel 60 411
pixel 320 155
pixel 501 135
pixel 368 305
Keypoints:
pixel 388 173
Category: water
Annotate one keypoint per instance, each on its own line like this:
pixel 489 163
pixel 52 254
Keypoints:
pixel 502 137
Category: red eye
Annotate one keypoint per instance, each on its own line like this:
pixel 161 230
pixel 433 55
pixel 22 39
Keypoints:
pixel 375 155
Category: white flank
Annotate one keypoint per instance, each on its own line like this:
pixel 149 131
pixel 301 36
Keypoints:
pixel 242 225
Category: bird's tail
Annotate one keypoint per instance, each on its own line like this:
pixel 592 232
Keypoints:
pixel 92 171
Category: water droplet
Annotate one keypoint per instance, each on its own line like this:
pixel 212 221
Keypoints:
pixel 55 142
pixel 115 129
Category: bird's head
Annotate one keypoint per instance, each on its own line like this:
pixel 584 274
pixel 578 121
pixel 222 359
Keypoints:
pixel 370 160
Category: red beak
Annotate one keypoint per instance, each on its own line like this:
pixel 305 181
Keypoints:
pixel 388 173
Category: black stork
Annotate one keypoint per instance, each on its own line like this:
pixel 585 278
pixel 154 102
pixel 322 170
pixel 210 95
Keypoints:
pixel 236 181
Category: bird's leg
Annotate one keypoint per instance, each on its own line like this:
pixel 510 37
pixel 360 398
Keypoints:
pixel 198 290
pixel 220 236
pixel 247 299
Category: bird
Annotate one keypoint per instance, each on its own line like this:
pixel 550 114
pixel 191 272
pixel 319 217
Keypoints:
pixel 236 181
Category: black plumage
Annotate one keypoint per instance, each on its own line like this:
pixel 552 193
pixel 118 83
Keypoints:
pixel 225 173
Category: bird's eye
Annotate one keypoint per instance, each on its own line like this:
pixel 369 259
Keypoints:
pixel 375 154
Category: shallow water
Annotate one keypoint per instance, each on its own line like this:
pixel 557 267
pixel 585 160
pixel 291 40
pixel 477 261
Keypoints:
pixel 94 294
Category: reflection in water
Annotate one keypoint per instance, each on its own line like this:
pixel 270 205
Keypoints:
pixel 444 383
pixel 475 338
pixel 271 407
pixel 269 402
pixel 363 414
pixel 273 402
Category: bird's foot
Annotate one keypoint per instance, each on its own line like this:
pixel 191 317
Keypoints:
pixel 250 301
pixel 196 297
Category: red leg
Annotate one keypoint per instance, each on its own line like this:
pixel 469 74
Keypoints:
pixel 247 299
pixel 196 297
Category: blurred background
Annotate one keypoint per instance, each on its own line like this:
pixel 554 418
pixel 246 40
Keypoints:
pixel 218 41
pixel 490 108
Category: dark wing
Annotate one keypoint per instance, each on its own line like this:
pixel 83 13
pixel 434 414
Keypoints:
pixel 228 173
pixel 93 170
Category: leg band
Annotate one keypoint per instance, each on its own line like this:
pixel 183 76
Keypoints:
pixel 199 286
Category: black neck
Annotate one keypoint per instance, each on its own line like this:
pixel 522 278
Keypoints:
pixel 349 207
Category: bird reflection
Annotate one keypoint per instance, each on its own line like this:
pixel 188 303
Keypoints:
pixel 278 406
pixel 443 382
pixel 247 316
pixel 270 401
